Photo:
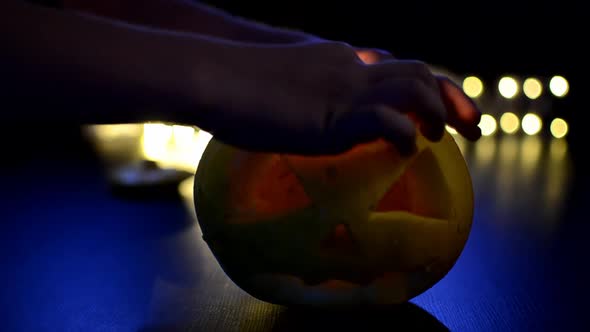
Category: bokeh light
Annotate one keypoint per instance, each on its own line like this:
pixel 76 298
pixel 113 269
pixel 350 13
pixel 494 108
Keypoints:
pixel 488 125
pixel 532 88
pixel 559 86
pixel 472 86
pixel 508 87
pixel 509 122
pixel 558 128
pixel 531 124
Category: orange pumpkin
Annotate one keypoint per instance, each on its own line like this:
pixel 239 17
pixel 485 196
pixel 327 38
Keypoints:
pixel 363 227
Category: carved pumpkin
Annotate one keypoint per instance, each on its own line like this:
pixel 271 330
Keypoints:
pixel 363 227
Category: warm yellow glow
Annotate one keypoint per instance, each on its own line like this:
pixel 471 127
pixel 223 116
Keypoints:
pixel 187 155
pixel 174 146
pixel 485 151
pixel 531 124
pixel 451 130
pixel 505 175
pixel 185 189
pixel 559 128
pixel 558 149
pixel 509 122
pixel 183 135
pixel 532 88
pixel 200 143
pixel 530 153
pixel 472 86
pixel 558 177
pixel 155 140
pixel 559 86
pixel 487 124
pixel 508 87
pixel 116 131
pixel 508 150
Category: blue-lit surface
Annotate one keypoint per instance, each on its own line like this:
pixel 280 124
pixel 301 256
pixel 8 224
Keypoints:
pixel 76 258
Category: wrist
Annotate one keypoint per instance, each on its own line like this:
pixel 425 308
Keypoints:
pixel 202 77
pixel 265 34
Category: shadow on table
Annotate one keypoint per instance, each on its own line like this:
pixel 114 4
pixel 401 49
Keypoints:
pixel 406 317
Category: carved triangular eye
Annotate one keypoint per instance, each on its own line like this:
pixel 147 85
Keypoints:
pixel 421 190
pixel 397 197
pixel 265 186
pixel 355 179
pixel 279 188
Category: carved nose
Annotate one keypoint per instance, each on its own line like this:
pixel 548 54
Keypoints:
pixel 340 241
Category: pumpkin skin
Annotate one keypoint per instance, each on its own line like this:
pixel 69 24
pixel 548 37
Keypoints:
pixel 362 228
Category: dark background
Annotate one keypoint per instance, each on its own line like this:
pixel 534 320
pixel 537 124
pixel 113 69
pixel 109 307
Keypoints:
pixel 484 38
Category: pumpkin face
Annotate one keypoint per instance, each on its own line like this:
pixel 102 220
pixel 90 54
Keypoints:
pixel 363 227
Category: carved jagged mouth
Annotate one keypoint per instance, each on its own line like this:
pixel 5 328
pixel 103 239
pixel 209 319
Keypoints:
pixel 362 279
pixel 366 277
pixel 291 281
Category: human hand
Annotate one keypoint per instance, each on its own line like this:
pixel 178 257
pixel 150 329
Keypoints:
pixel 460 110
pixel 320 98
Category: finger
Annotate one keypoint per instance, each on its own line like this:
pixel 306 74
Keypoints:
pixel 373 55
pixel 397 128
pixel 411 96
pixel 402 69
pixel 343 130
pixel 369 123
pixel 462 113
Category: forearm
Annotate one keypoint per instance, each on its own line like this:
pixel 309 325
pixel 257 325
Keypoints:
pixel 189 16
pixel 72 68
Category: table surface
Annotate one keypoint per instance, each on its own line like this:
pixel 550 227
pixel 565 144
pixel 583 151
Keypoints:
pixel 77 258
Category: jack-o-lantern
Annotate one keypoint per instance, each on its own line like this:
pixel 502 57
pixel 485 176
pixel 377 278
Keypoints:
pixel 364 227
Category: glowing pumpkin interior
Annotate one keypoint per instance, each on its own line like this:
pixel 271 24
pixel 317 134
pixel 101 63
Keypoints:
pixel 363 227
